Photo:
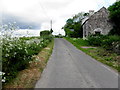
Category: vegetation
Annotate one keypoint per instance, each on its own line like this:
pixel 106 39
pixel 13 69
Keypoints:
pixel 51 31
pixel 115 17
pixel 108 42
pixel 45 33
pixel 58 36
pixel 17 53
pixel 28 77
pixel 99 53
pixel 107 47
pixel 29 38
pixel 73 26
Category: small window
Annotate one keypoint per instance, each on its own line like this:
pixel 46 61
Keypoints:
pixel 89 33
pixel 85 33
pixel 97 32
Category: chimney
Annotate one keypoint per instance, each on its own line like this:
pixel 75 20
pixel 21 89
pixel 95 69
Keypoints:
pixel 91 12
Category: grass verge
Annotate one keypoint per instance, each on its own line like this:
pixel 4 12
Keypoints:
pixel 27 78
pixel 107 57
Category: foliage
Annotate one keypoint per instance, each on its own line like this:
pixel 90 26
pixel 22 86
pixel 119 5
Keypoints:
pixel 110 43
pixel 95 40
pixel 115 17
pixel 45 33
pixel 17 54
pixel 51 31
pixel 73 30
pixel 58 36
pixel 73 26
pixel 104 41
pixel 28 38
pixel 105 56
pixel 78 41
pixel 28 77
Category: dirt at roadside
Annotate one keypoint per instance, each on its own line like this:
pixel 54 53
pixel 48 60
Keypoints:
pixel 27 78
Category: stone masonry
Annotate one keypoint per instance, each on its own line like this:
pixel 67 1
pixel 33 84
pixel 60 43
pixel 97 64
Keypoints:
pixel 97 23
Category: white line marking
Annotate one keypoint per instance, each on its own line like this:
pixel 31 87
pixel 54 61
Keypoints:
pixel 110 70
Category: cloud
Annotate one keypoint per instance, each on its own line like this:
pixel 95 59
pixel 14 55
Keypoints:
pixel 26 32
pixel 39 12
pixel 23 24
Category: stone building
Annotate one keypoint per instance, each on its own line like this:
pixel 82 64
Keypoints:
pixel 117 0
pixel 98 23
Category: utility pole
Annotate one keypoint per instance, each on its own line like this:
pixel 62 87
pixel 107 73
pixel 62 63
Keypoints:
pixel 51 26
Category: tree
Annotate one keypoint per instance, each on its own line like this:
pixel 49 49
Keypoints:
pixel 73 27
pixel 51 31
pixel 115 17
pixel 45 33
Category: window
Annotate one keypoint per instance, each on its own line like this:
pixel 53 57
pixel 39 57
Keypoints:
pixel 97 32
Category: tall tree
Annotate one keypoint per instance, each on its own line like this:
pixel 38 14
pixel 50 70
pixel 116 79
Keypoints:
pixel 73 26
pixel 115 17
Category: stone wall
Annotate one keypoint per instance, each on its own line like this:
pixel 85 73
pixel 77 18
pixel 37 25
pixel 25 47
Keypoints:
pixel 99 20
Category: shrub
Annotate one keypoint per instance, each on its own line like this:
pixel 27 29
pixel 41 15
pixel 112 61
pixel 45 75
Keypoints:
pixel 16 52
pixel 104 41
pixel 95 40
pixel 115 17
pixel 108 41
pixel 45 33
pixel 16 55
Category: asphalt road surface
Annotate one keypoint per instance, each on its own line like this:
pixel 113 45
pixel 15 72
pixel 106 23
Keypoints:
pixel 69 67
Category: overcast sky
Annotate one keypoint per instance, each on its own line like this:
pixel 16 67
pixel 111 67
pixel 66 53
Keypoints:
pixel 38 13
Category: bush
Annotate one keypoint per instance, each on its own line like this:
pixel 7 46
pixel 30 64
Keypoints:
pixel 45 33
pixel 95 40
pixel 104 41
pixel 16 55
pixel 115 17
pixel 107 42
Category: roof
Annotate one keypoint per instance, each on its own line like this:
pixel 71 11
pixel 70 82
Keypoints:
pixel 86 19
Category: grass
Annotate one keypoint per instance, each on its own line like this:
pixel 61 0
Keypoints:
pixel 107 57
pixel 27 78
pixel 29 38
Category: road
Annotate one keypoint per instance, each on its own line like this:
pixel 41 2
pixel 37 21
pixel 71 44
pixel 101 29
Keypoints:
pixel 69 67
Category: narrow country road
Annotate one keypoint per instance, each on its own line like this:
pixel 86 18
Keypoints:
pixel 69 67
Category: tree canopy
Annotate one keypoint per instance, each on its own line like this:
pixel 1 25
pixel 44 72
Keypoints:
pixel 115 17
pixel 45 33
pixel 73 26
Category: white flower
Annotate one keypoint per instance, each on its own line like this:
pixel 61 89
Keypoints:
pixel 3 73
pixel 30 62
pixel 3 80
pixel 15 53
pixel 40 46
pixel 19 48
pixel 0 73
pixel 7 55
pixel 26 50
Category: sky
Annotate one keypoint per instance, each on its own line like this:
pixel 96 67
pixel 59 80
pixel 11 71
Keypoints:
pixel 38 13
